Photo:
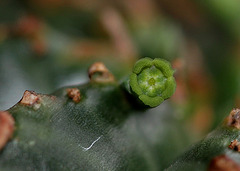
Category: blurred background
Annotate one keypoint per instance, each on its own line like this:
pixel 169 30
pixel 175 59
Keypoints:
pixel 47 44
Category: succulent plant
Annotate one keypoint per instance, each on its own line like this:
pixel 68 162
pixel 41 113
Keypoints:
pixel 219 150
pixel 118 120
pixel 98 125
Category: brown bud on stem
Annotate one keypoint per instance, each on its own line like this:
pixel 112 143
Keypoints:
pixel 233 119
pixel 30 98
pixel 98 72
pixel 74 94
pixel 223 163
pixel 235 145
pixel 6 127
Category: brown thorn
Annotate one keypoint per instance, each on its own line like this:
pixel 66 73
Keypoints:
pixel 6 127
pixel 98 72
pixel 233 119
pixel 30 98
pixel 74 94
pixel 223 163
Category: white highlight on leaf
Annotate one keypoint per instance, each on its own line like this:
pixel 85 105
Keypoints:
pixel 86 149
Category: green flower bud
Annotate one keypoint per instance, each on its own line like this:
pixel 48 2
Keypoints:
pixel 152 81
